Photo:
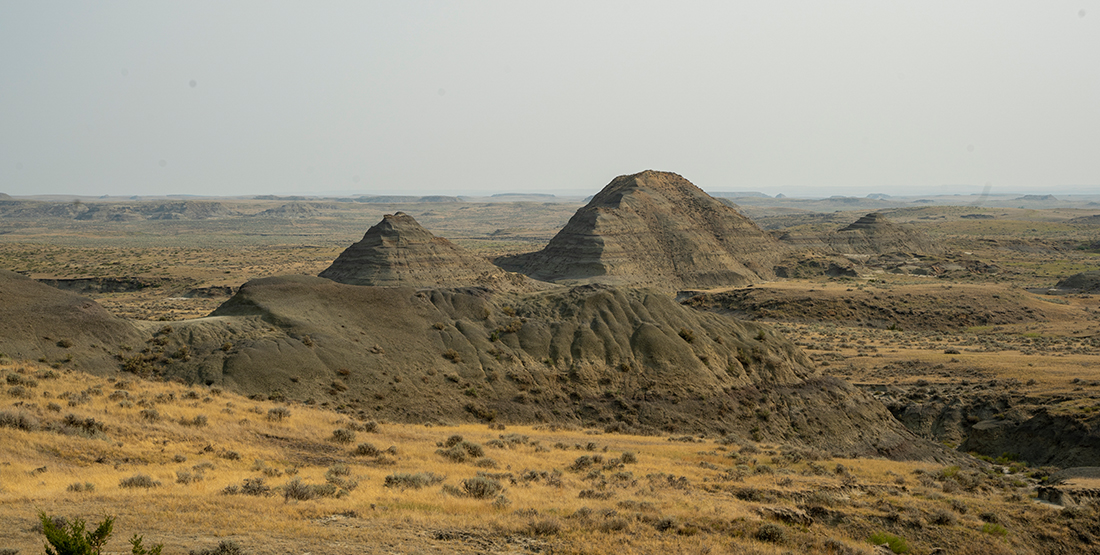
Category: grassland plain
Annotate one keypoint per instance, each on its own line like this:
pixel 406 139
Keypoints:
pixel 193 467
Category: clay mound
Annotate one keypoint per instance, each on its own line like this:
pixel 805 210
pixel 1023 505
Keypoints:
pixel 40 322
pixel 5 196
pixel 399 251
pixel 653 229
pixel 1084 282
pixel 620 359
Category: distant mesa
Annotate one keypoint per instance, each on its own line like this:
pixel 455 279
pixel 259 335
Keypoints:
pixel 879 196
pixel 188 210
pixel 653 229
pixel 5 196
pixel 924 201
pixel 537 195
pixel 399 251
pixel 276 197
pixel 1037 198
pixel 977 216
pixel 296 210
pixel 739 194
pixel 398 199
pixel 780 195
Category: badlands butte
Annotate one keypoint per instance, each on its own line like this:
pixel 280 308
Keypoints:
pixel 858 327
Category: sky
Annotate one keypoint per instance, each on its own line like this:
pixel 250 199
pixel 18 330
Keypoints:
pixel 480 97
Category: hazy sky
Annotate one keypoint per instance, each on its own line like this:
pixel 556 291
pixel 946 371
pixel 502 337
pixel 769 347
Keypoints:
pixel 800 98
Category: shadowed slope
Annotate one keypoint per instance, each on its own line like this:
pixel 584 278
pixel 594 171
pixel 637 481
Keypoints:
pixel 653 229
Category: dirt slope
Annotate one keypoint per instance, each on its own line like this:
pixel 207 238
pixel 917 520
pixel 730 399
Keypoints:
pixel 653 229
pixel 40 322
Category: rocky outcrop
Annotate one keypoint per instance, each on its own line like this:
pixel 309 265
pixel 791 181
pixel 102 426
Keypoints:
pixel 653 229
pixel 398 251
pixel 622 359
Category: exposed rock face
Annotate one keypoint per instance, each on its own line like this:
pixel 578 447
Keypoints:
pixel 399 251
pixel 39 321
pixel 653 229
pixel 621 359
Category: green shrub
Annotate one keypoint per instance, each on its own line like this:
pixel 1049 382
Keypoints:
pixel 897 544
pixel 73 537
pixel 994 529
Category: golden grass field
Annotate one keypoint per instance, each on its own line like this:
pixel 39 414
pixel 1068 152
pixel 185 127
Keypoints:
pixel 676 495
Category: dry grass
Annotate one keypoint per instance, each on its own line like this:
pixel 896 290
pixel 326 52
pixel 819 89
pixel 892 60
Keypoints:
pixel 564 489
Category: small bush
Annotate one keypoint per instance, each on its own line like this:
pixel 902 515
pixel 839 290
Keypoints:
pixel 545 527
pixel 78 487
pixel 366 450
pixel 942 518
pixel 278 414
pixel 151 415
pixel 994 529
pixel 481 487
pixel 452 355
pixel 769 532
pixel 343 436
pixel 138 481
pixel 188 477
pixel 251 486
pixel 413 481
pixel 897 544
pixel 628 457
pixel 198 421
pixel 226 547
pixel 18 421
